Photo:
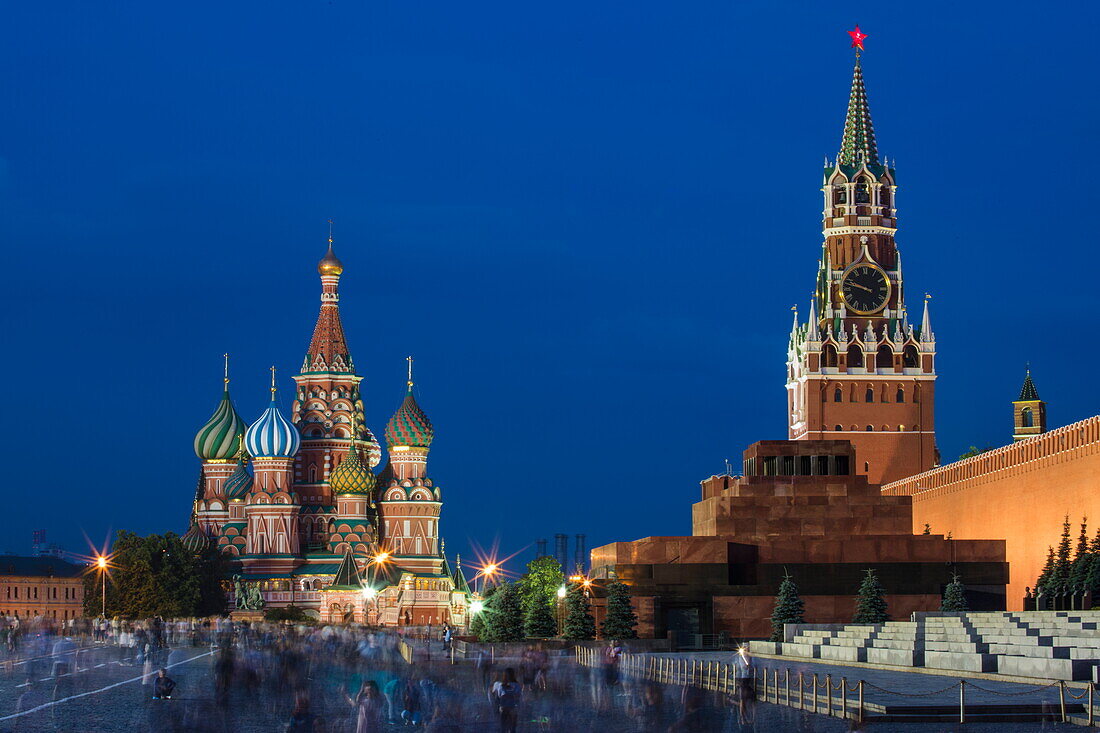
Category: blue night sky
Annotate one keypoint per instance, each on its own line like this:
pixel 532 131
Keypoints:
pixel 587 221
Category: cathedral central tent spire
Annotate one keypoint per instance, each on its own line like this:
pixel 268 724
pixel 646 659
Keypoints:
pixel 328 350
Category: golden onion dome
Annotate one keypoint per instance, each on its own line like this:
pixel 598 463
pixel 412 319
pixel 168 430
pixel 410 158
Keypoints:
pixel 330 264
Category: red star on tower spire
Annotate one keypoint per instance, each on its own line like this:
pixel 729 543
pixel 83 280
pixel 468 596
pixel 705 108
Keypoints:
pixel 857 38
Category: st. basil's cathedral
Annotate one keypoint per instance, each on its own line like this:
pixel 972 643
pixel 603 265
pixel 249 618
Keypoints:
pixel 311 524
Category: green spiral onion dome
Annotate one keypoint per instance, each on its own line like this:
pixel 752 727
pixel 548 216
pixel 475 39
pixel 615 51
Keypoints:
pixel 195 540
pixel 352 476
pixel 219 437
pixel 409 425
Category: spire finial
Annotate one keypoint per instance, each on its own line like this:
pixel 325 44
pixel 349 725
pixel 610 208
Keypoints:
pixel 330 232
pixel 273 381
pixel 225 375
pixel 410 360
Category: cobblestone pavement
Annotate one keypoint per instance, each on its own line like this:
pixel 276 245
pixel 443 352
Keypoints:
pixel 106 694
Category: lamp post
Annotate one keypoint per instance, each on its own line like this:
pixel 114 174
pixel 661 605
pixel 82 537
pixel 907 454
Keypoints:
pixel 488 571
pixel 561 609
pixel 101 563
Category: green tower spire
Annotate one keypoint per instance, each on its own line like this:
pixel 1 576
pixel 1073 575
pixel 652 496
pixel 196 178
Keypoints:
pixel 858 144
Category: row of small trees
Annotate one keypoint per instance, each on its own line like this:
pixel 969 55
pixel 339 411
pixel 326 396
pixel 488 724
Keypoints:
pixel 157 576
pixel 527 608
pixel 1069 570
pixel 871 605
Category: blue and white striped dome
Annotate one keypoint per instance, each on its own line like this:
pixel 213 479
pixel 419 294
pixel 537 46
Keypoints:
pixel 272 435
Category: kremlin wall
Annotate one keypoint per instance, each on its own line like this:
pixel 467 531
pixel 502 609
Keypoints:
pixel 1020 493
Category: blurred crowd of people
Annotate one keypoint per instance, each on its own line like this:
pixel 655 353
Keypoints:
pixel 221 675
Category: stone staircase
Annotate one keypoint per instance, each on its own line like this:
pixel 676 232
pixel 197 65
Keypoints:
pixel 1057 645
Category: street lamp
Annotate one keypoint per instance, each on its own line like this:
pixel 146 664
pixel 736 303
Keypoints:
pixel 561 609
pixel 488 571
pixel 476 607
pixel 101 564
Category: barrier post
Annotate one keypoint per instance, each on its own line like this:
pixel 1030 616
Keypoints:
pixel 1062 698
pixel 859 714
pixel 1090 705
pixel 801 691
pixel 787 684
pixel 844 697
pixel 815 693
pixel 962 701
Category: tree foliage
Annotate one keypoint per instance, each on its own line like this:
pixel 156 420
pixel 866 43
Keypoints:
pixel 620 620
pixel 954 596
pixel 579 624
pixel 788 609
pixel 871 603
pixel 505 621
pixel 157 576
pixel 975 451
pixel 479 626
pixel 1059 576
pixel 539 589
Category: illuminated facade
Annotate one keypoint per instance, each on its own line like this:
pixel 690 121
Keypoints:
pixel 311 522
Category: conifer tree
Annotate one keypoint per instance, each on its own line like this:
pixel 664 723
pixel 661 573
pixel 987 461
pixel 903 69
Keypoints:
pixel 479 623
pixel 539 621
pixel 579 624
pixel 506 621
pixel 871 603
pixel 1042 584
pixel 1092 575
pixel 1079 568
pixel 621 619
pixel 954 596
pixel 788 607
pixel 1059 577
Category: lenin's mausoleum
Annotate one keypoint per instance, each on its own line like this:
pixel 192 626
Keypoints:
pixel 858 483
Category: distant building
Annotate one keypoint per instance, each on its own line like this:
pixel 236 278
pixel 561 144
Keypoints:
pixel 41 586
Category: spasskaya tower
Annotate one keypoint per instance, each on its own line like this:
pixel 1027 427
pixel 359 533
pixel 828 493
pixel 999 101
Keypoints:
pixel 858 369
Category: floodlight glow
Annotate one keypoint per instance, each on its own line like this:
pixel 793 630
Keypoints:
pixel 561 592
pixel 477 607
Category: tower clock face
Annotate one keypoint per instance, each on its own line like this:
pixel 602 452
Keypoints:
pixel 865 289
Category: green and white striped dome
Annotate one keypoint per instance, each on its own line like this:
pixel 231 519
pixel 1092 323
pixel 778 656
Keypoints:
pixel 220 437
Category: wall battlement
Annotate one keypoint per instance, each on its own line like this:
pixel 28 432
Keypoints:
pixel 1041 451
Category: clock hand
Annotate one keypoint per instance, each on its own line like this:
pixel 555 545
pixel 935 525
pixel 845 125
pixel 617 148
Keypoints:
pixel 861 287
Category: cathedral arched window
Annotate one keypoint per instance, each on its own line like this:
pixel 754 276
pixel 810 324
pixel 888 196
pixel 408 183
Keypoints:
pixel 839 428
pixel 870 428
pixel 828 355
pixel 840 194
pixel 1027 420
pixel 884 197
pixel 900 396
pixel 869 397
pixel 855 356
pixel 884 359
pixel 909 357
pixel 838 395
pixel 313 473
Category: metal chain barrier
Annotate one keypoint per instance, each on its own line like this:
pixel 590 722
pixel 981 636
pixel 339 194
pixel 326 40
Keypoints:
pixel 972 686
pixel 911 694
